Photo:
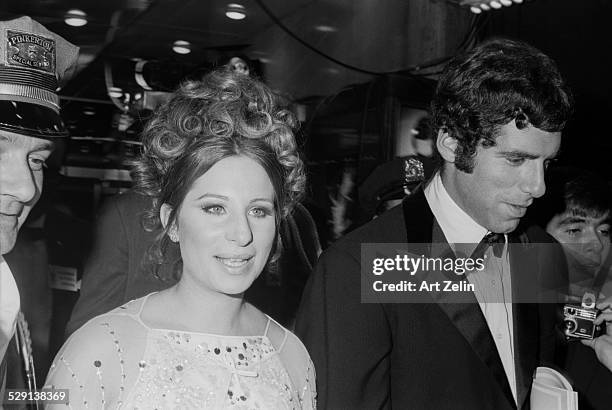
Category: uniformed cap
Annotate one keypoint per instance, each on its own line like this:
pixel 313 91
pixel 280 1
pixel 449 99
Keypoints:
pixel 393 180
pixel 34 62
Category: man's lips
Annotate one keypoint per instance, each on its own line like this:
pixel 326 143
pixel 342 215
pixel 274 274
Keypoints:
pixel 519 210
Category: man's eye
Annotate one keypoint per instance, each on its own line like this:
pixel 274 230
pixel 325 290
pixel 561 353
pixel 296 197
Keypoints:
pixel 572 231
pixel 214 209
pixel 515 161
pixel 605 231
pixel 37 163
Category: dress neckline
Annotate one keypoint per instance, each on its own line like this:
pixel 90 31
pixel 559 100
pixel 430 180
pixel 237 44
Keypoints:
pixel 143 301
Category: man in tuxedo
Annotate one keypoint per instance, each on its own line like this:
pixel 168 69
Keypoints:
pixel 33 61
pixel 497 113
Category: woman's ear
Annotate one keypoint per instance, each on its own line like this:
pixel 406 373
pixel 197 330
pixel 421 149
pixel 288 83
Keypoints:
pixel 446 145
pixel 164 215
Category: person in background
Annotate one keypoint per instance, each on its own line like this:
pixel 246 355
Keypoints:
pixel 34 62
pixel 220 163
pixel 576 212
pixel 497 114
pixel 602 345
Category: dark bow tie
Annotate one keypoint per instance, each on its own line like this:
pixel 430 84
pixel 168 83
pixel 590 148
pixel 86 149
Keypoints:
pixel 496 240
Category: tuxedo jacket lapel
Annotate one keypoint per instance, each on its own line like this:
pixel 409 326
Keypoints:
pixel 421 227
pixel 525 315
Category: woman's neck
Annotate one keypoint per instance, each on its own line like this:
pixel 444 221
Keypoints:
pixel 206 311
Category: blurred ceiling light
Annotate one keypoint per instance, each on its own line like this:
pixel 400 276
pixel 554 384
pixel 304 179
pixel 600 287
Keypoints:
pixel 75 18
pixel 478 6
pixel 115 92
pixel 326 29
pixel 89 110
pixel 235 11
pixel 181 47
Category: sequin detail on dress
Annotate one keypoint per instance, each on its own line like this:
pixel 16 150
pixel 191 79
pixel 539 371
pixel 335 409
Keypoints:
pixel 117 362
pixel 190 370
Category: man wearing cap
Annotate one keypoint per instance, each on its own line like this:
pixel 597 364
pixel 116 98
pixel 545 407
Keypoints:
pixel 33 61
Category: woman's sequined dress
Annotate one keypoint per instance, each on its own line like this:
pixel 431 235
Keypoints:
pixel 116 361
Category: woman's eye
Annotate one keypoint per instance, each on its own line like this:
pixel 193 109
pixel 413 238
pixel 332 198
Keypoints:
pixel 260 212
pixel 214 209
pixel 605 231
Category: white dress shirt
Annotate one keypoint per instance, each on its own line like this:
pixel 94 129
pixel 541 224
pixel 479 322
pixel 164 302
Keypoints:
pixel 9 306
pixel 493 285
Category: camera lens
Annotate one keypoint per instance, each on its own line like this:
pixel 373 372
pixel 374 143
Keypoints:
pixel 570 325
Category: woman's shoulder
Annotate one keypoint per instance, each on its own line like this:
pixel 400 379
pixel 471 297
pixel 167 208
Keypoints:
pixel 117 323
pixel 296 361
pixel 284 341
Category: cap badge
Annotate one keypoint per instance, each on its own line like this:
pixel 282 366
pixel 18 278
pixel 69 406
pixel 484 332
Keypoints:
pixel 31 51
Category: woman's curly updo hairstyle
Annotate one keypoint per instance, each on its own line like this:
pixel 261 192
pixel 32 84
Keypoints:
pixel 225 114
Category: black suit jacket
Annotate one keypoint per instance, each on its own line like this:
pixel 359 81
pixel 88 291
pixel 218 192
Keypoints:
pixel 420 356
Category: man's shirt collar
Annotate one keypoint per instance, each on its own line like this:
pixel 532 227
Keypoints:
pixel 456 224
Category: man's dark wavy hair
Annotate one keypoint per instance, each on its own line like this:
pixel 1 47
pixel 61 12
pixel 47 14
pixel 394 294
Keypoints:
pixel 497 82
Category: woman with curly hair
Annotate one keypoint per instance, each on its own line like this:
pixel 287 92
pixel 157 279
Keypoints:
pixel 220 161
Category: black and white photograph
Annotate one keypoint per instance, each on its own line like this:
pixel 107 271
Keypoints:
pixel 305 204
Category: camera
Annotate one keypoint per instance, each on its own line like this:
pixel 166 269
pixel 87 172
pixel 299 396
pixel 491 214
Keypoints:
pixel 578 319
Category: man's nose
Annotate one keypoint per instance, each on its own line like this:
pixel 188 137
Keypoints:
pixel 17 179
pixel 594 242
pixel 533 182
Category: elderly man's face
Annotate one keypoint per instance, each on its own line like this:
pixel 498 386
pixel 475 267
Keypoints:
pixel 21 174
pixel 506 177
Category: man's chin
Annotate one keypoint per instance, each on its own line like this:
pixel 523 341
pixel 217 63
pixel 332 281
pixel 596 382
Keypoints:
pixel 505 227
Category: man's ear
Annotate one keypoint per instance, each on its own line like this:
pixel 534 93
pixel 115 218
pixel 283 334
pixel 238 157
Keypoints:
pixel 446 145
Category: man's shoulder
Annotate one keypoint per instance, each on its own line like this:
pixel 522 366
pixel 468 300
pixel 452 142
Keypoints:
pixel 126 209
pixel 388 227
pixel 130 200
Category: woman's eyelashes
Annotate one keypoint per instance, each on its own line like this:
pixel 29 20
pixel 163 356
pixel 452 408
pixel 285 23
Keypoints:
pixel 214 209
pixel 259 211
